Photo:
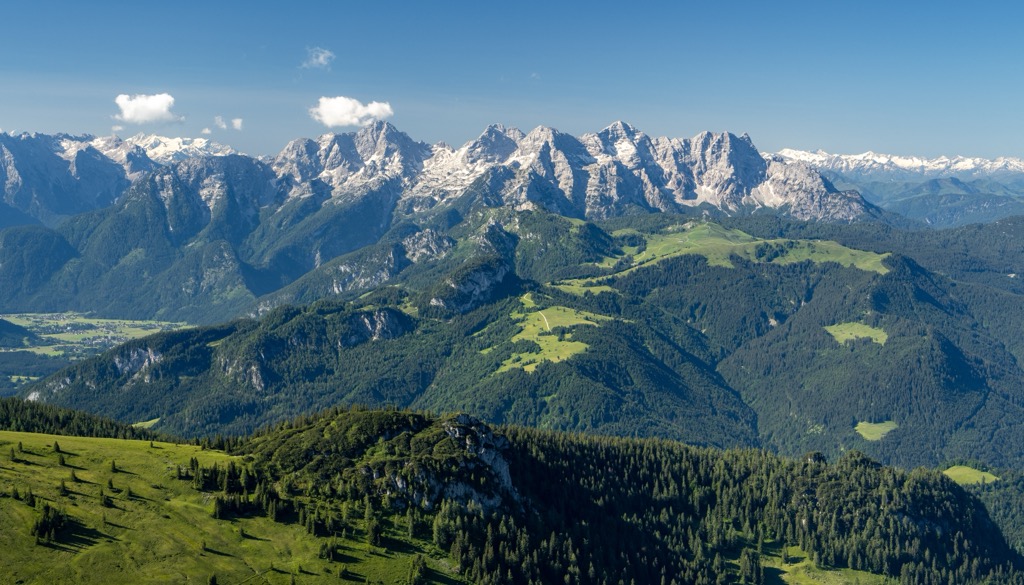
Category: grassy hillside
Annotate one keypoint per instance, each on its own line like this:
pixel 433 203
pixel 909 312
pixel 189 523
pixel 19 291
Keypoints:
pixel 844 332
pixel 538 325
pixel 875 431
pixel 718 245
pixel 156 528
pixel 400 497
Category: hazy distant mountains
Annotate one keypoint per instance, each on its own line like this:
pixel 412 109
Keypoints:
pixel 940 192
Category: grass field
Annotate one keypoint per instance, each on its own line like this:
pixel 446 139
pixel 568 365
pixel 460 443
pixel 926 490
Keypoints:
pixel 719 244
pixel 158 532
pixel 844 332
pixel 580 286
pixel 791 565
pixel 537 325
pixel 797 569
pixel 965 475
pixel 875 431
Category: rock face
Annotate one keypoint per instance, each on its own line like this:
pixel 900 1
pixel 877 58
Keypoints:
pixel 622 170
pixel 135 360
pixel 350 163
pixel 50 178
pixel 617 170
pixel 472 286
pixel 375 325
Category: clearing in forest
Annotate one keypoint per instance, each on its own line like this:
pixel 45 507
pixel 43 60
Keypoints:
pixel 965 475
pixel 875 431
pixel 843 332
pixel 539 325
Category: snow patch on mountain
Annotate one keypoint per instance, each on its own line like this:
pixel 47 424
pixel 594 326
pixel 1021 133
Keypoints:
pixel 165 150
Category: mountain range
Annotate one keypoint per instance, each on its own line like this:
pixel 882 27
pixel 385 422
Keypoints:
pixel 613 283
pixel 209 237
pixel 940 192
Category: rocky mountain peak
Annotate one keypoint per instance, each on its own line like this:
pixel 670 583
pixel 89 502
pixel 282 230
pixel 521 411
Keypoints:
pixel 619 129
pixel 494 145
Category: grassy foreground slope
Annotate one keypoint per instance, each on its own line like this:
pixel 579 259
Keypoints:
pixel 156 528
pixel 401 497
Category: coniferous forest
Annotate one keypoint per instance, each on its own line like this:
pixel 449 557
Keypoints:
pixel 519 505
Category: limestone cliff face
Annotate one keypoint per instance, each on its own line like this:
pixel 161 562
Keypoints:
pixel 375 325
pixel 472 286
pixel 600 175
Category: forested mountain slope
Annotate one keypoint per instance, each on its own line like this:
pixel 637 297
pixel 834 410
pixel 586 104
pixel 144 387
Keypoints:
pixel 788 336
pixel 402 496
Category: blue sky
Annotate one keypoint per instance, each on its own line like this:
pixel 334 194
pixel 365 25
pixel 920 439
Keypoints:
pixel 909 78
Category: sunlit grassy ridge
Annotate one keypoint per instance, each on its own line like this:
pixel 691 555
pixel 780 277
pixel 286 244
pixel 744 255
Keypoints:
pixel 718 245
pixel 790 564
pixel 158 528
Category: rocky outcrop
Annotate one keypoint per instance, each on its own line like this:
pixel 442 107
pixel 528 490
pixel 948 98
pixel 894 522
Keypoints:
pixel 136 360
pixel 375 325
pixel 426 245
pixel 472 285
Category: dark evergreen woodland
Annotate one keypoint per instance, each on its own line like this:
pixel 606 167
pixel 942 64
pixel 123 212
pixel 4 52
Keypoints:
pixel 528 506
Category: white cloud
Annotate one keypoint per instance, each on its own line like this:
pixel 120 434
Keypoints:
pixel 346 111
pixel 116 128
pixel 318 58
pixel 236 123
pixel 205 131
pixel 142 109
pixel 219 122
